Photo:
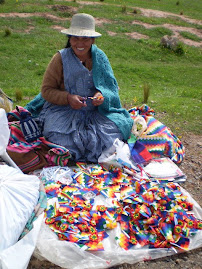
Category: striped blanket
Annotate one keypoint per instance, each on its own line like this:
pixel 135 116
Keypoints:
pixel 30 156
pixel 158 139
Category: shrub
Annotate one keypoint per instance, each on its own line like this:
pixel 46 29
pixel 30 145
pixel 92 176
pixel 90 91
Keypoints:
pixel 179 49
pixel 123 9
pixel 172 43
pixel 135 11
pixel 18 95
pixel 146 89
pixel 7 32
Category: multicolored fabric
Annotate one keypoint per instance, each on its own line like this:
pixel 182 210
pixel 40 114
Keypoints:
pixel 158 139
pixel 139 153
pixel 39 209
pixel 30 156
pixel 29 126
pixel 149 213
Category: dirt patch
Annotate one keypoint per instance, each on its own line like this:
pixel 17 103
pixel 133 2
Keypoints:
pixel 63 8
pixel 136 35
pixel 111 33
pixel 100 22
pixel 176 31
pixel 161 14
pixel 36 14
pixel 58 28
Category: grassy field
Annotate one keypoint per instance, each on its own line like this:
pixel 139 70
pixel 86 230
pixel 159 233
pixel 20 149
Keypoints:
pixel 27 44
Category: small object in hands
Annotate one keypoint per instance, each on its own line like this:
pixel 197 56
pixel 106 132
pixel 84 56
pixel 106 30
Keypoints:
pixel 100 97
pixel 84 99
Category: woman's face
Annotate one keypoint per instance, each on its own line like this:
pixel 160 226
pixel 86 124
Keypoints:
pixel 81 45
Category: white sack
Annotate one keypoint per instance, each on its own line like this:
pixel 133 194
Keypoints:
pixel 4 131
pixel 19 195
pixel 4 138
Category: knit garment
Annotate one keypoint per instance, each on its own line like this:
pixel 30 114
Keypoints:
pixel 35 105
pixel 104 81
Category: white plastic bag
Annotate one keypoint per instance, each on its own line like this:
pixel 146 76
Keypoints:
pixel 5 132
pixel 139 126
pixel 19 195
pixel 4 137
pixel 117 154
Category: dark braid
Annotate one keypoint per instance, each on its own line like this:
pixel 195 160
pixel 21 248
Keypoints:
pixel 68 42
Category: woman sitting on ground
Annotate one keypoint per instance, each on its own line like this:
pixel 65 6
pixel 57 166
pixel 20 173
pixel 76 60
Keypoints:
pixel 82 111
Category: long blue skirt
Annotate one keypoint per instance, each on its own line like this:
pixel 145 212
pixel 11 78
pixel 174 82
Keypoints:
pixel 86 133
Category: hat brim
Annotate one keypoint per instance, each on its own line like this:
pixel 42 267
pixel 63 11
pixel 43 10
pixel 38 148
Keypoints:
pixel 83 32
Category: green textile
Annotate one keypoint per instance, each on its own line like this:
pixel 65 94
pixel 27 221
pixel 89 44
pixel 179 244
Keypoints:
pixel 105 82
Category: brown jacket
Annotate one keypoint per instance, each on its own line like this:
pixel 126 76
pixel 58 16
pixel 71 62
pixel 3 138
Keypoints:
pixel 53 89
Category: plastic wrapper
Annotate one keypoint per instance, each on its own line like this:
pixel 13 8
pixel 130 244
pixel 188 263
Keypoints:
pixel 117 154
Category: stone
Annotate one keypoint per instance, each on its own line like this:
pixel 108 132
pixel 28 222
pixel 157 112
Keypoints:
pixel 170 42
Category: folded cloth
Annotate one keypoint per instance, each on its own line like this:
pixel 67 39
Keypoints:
pixel 139 152
pixel 158 138
pixel 30 156
pixel 28 126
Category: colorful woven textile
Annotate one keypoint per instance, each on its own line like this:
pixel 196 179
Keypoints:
pixel 30 156
pixel 148 213
pixel 158 139
pixel 29 126
pixel 138 151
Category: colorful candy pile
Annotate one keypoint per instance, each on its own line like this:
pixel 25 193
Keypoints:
pixel 149 213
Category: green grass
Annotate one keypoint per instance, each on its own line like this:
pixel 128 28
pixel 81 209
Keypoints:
pixel 190 8
pixel 190 36
pixel 175 80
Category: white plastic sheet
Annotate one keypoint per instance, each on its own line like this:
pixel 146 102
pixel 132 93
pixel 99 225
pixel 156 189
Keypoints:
pixel 18 255
pixel 19 195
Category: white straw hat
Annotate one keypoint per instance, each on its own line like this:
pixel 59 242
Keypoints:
pixel 82 25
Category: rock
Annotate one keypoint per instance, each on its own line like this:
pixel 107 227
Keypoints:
pixel 170 42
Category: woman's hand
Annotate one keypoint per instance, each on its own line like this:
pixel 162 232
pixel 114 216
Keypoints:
pixel 98 99
pixel 76 101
